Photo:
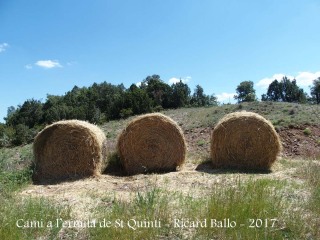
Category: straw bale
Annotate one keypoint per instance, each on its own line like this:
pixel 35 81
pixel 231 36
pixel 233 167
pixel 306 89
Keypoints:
pixel 151 143
pixel 244 140
pixel 69 149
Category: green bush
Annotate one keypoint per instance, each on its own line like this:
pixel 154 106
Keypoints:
pixel 4 140
pixel 21 135
pixel 307 131
pixel 126 112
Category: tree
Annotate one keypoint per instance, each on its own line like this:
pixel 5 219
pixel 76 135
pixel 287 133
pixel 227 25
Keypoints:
pixel 290 92
pixel 273 93
pixel 285 91
pixel 157 90
pixel 29 114
pixel 315 91
pixel 180 95
pixel 54 109
pixel 213 100
pixel 22 134
pixel 11 110
pixel 199 98
pixel 108 98
pixel 245 92
pixel 136 101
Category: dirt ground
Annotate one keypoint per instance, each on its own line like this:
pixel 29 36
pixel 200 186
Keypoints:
pixel 297 144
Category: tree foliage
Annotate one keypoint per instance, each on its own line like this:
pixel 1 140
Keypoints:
pixel 136 101
pixel 97 104
pixel 245 92
pixel 180 95
pixel 285 91
pixel 315 91
pixel 158 91
pixel 29 114
pixel 200 99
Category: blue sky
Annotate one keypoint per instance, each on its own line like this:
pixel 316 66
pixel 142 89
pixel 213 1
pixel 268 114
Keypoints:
pixel 50 46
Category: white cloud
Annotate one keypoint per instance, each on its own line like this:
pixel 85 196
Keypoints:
pixel 187 79
pixel 28 66
pixel 48 63
pixel 138 84
pixel 304 79
pixel 225 97
pixel 3 47
pixel 265 82
pixel 176 80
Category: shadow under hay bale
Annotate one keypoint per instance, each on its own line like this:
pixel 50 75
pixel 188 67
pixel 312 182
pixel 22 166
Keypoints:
pixel 244 140
pixel 114 166
pixel 206 167
pixel 68 150
pixel 151 143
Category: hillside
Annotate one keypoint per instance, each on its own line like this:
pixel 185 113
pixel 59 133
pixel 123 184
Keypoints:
pixel 290 121
pixel 196 194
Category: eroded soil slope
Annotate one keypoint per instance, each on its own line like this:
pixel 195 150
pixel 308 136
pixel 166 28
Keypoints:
pixel 297 141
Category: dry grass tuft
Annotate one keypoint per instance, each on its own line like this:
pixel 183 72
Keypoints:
pixel 69 150
pixel 151 143
pixel 244 140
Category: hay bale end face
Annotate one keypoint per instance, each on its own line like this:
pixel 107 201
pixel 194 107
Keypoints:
pixel 244 140
pixel 151 143
pixel 68 150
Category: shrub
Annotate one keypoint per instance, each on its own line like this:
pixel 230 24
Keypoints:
pixel 307 131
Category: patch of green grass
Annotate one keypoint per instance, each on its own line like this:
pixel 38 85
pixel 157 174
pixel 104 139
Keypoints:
pixel 252 209
pixel 17 158
pixel 15 169
pixel 113 128
pixel 15 173
pixel 143 218
pixel 310 172
pixel 30 219
pixel 12 181
pixel 289 163
pixel 281 114
pixel 201 142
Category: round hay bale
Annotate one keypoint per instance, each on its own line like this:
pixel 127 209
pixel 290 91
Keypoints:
pixel 151 143
pixel 68 149
pixel 244 140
